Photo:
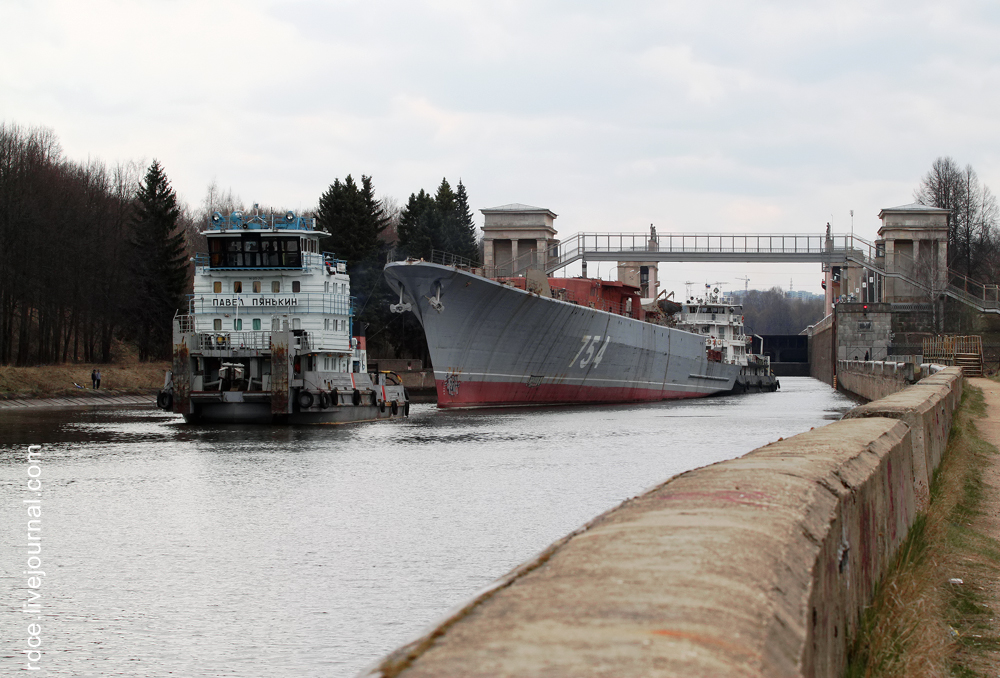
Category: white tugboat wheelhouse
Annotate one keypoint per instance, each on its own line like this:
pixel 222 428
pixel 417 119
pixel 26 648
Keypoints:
pixel 269 336
pixel 718 318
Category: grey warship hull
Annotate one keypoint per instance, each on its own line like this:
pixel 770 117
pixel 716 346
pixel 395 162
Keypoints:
pixel 492 344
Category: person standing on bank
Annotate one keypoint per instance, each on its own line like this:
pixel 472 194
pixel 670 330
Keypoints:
pixel 93 379
pixel 97 379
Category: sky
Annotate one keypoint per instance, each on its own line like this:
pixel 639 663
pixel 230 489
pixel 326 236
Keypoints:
pixel 699 117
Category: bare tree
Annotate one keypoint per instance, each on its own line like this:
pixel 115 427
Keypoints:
pixel 972 227
pixel 391 209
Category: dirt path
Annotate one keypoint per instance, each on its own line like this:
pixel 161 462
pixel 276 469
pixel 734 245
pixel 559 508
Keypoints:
pixel 988 521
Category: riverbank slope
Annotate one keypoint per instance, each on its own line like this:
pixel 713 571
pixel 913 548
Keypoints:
pixel 73 380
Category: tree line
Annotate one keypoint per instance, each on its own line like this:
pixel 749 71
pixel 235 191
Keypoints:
pixel 94 258
pixel 80 254
pixel 773 312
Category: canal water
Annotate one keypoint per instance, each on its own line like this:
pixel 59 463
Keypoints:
pixel 312 551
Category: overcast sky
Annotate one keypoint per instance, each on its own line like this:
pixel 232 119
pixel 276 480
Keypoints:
pixel 694 116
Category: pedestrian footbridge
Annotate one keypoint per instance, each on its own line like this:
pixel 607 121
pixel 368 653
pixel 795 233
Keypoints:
pixel 828 250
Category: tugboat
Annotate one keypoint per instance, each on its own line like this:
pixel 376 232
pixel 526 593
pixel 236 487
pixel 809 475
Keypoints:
pixel 719 319
pixel 269 336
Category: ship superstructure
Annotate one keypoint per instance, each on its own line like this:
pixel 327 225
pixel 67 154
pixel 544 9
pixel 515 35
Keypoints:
pixel 268 335
pixel 719 319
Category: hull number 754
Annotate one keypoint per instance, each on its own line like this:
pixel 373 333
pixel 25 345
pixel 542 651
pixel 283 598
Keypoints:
pixel 587 348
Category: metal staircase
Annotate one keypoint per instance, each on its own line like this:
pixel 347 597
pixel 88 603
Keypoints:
pixel 983 297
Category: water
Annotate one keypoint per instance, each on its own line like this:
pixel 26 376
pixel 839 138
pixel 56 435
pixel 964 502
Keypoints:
pixel 312 551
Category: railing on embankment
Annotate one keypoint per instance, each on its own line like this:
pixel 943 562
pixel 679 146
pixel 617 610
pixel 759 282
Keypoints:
pixel 758 566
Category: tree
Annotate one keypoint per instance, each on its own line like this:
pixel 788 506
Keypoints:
pixel 418 226
pixel 354 218
pixel 972 225
pixel 440 222
pixel 467 242
pixel 772 312
pixel 159 264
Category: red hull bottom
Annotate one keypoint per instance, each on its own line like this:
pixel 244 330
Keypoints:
pixel 486 394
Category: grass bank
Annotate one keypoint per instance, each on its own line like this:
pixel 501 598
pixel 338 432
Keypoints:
pixel 932 614
pixel 48 381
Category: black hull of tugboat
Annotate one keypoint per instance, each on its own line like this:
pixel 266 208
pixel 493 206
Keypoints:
pixel 260 413
pixel 752 380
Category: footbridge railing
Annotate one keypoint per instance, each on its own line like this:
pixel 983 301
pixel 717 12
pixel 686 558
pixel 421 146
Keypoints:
pixel 768 247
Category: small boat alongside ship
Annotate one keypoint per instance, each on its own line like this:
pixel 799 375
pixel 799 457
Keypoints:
pixel 534 339
pixel 719 319
pixel 269 336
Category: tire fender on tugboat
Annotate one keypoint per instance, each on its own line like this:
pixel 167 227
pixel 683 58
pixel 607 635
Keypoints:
pixel 305 400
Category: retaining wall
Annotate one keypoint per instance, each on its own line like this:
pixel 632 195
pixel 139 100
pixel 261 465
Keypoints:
pixel 873 379
pixel 821 349
pixel 758 566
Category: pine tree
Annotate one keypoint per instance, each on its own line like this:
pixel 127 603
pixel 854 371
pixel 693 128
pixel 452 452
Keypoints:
pixel 160 265
pixel 467 244
pixel 442 221
pixel 354 218
pixel 445 202
pixel 419 226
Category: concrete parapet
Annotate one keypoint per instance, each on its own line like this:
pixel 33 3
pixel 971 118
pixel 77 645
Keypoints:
pixel 758 566
pixel 927 409
pixel 873 379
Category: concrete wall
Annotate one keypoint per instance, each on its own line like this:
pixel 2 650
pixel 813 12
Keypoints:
pixel 759 566
pixel 874 379
pixel 863 331
pixel 926 408
pixel 821 350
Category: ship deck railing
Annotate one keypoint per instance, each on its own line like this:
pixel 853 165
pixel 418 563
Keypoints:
pixel 260 340
pixel 238 221
pixel 333 341
pixel 449 259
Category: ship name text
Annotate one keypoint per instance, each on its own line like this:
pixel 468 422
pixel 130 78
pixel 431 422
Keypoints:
pixel 256 301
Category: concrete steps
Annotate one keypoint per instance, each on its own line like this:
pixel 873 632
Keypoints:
pixel 971 364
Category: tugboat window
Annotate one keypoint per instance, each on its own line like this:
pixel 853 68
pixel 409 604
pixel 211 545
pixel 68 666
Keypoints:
pixel 217 286
pixel 296 286
pixel 275 286
pixel 256 287
pixel 256 323
pixel 237 286
pixel 250 250
pixel 238 324
pixel 217 324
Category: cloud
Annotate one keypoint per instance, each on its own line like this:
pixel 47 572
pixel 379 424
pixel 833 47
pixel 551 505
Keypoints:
pixel 692 115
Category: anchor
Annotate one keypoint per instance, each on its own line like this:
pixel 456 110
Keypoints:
pixel 402 306
pixel 436 301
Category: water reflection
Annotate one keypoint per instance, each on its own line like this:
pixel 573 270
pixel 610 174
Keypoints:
pixel 254 550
